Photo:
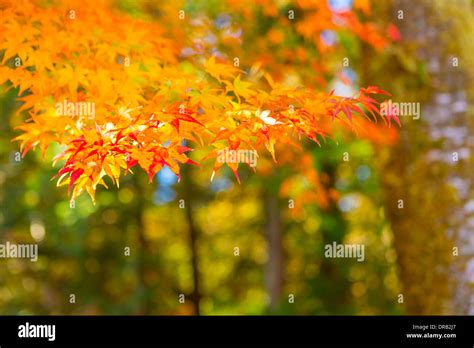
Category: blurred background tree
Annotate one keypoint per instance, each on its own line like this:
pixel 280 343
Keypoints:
pixel 252 248
pixel 433 233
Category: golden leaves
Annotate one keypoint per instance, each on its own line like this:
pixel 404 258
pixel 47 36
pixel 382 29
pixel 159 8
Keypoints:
pixel 218 70
pixel 147 105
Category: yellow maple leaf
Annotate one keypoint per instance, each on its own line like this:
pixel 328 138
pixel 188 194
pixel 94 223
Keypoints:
pixel 218 70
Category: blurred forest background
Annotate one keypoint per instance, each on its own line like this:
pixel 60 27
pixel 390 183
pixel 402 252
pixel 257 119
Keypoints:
pixel 348 190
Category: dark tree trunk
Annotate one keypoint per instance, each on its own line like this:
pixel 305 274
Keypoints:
pixel 193 239
pixel 274 267
pixel 142 252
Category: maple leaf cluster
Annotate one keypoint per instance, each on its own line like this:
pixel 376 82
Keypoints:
pixel 151 105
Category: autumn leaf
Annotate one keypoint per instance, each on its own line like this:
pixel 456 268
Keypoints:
pixel 218 70
pixel 134 101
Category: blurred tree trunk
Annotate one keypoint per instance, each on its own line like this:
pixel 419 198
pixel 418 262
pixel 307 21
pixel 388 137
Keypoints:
pixel 334 277
pixel 145 302
pixel 145 306
pixel 430 170
pixel 274 268
pixel 189 194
